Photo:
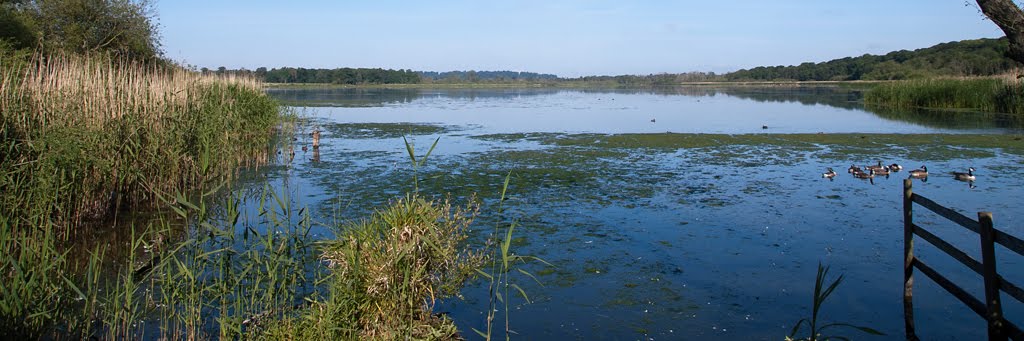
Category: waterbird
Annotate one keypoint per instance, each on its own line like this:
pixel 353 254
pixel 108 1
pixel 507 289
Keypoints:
pixel 920 172
pixel 882 171
pixel 853 169
pixel 875 167
pixel 829 174
pixel 861 175
pixel 969 176
pixel 895 167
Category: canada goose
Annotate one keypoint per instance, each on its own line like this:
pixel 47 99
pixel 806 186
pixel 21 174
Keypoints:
pixel 830 174
pixel 881 171
pixel 875 167
pixel 919 173
pixel 853 169
pixel 895 167
pixel 969 176
pixel 861 175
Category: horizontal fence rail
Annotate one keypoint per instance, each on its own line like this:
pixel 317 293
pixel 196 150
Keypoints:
pixel 990 308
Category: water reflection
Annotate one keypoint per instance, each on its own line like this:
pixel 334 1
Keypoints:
pixel 794 109
pixel 949 119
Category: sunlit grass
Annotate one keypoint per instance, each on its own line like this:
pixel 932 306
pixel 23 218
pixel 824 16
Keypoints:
pixel 1002 94
pixel 84 136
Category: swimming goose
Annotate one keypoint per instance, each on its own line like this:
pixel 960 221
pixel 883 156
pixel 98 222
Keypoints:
pixel 969 176
pixel 895 167
pixel 853 169
pixel 875 167
pixel 919 173
pixel 861 175
pixel 882 171
pixel 830 174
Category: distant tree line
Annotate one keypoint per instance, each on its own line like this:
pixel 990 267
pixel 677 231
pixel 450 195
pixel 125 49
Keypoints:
pixel 661 79
pixel 484 76
pixel 979 57
pixel 350 76
pixel 365 76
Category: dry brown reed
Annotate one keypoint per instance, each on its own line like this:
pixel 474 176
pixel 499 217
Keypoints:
pixel 94 132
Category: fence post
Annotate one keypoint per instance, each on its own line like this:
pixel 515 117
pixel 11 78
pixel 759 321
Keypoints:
pixel 908 259
pixel 994 309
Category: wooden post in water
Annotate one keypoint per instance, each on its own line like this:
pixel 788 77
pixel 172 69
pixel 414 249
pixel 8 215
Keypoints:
pixel 316 139
pixel 993 307
pixel 908 259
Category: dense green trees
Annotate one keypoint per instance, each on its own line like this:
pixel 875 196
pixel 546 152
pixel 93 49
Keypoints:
pixel 485 76
pixel 348 76
pixel 1009 17
pixel 121 27
pixel 980 57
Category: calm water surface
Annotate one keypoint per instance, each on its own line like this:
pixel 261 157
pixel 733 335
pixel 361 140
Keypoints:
pixel 658 242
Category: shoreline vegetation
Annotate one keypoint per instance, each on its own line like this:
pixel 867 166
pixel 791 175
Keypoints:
pixel 1004 94
pixel 85 138
pixel 990 94
pixel 88 137
pixel 95 123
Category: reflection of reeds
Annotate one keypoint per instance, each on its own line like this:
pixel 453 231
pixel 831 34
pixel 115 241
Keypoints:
pixel 948 119
pixel 998 94
pixel 83 135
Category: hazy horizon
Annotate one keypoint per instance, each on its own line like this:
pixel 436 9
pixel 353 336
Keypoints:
pixel 564 38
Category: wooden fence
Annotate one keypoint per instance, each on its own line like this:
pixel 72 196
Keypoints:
pixel 991 310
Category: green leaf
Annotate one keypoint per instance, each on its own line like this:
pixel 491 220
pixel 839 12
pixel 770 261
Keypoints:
pixel 424 160
pixel 75 288
pixel 521 292
pixel 482 334
pixel 867 330
pixel 531 276
pixel 796 328
pixel 409 148
pixel 486 275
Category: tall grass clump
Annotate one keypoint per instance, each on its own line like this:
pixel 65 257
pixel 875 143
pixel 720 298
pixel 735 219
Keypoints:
pixel 84 137
pixel 387 272
pixel 1002 94
pixel 81 136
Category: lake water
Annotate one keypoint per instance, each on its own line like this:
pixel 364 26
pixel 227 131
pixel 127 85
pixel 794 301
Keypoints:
pixel 658 229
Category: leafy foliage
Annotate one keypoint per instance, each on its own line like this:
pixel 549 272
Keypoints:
pixel 980 57
pixel 120 27
pixel 347 76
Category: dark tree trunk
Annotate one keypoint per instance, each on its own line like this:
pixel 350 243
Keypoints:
pixel 1010 19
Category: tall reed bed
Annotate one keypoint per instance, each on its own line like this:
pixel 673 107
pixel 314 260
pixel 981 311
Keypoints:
pixel 998 94
pixel 84 137
pixel 81 136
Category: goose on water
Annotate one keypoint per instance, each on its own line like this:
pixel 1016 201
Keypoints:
pixel 920 172
pixel 829 174
pixel 969 176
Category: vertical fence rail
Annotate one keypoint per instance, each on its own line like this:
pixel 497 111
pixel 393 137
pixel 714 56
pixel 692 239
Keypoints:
pixel 998 327
pixel 993 308
pixel 908 259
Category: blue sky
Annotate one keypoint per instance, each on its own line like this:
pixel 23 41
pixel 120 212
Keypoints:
pixel 567 38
